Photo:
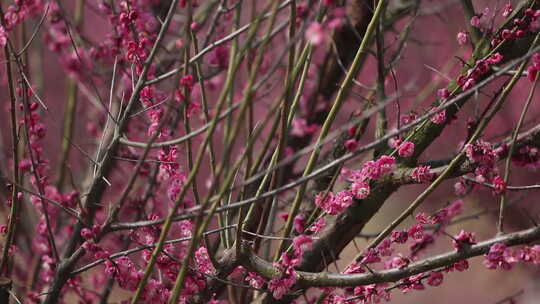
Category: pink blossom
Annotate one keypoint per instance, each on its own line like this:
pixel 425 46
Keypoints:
pixel 475 21
pixel 386 164
pixel 301 243
pixel 203 261
pixel 255 280
pixel 301 128
pixel 462 38
pixel 370 169
pixel 351 145
pixel 373 293
pixel 318 225
pixel 280 286
pixel 498 257
pixel 334 204
pixel 371 256
pixel 422 174
pixel 468 84
pixel 443 93
pixel 421 244
pixel 481 152
pixel 299 222
pixel 461 265
pixel 315 34
pixel 456 208
pixel 385 248
pixel 422 218
pixel 495 58
pixel 3 37
pixel 530 254
pixel 463 240
pixel 439 117
pixel 435 278
pixel 399 236
pixel 406 149
pixel 397 262
pixel 507 10
pixel 416 231
pixel 499 185
pixel 360 189
pixel 460 188
pixel 87 234
pixel 354 267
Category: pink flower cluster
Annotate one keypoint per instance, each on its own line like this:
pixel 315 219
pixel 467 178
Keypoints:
pixel 500 256
pixel 533 69
pixel 359 189
pixel 482 21
pixel 419 239
pixel 334 204
pixel 521 27
pixel 404 148
pixel 318 33
pixel 527 157
pixel 301 128
pixel 280 285
pixel 481 67
pixel 463 240
pixel 422 174
pixel 484 156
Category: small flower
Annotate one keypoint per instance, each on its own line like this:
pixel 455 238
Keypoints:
pixel 499 185
pixel 187 82
pixel 435 278
pixel 204 264
pixel 475 21
pixel 499 256
pixel 354 267
pixel 422 218
pixel 318 225
pixel 334 204
pixel 301 243
pixel 3 37
pixel 384 248
pixel 315 34
pixel 386 164
pixel 507 10
pixel 371 256
pixel 439 117
pixel 301 128
pixel 461 265
pixel 255 280
pixel 495 58
pixel 397 262
pixel 360 189
pixel 469 84
pixel 416 231
pixel 351 145
pixel 406 149
pixel 87 234
pixel 370 170
pixel 506 34
pixel 399 236
pixel 280 286
pixel 462 38
pixel 481 152
pixel 463 240
pixel 460 188
pixel 443 93
pixel 299 222
pixel 422 174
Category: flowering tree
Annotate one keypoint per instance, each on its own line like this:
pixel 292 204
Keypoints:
pixel 214 151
